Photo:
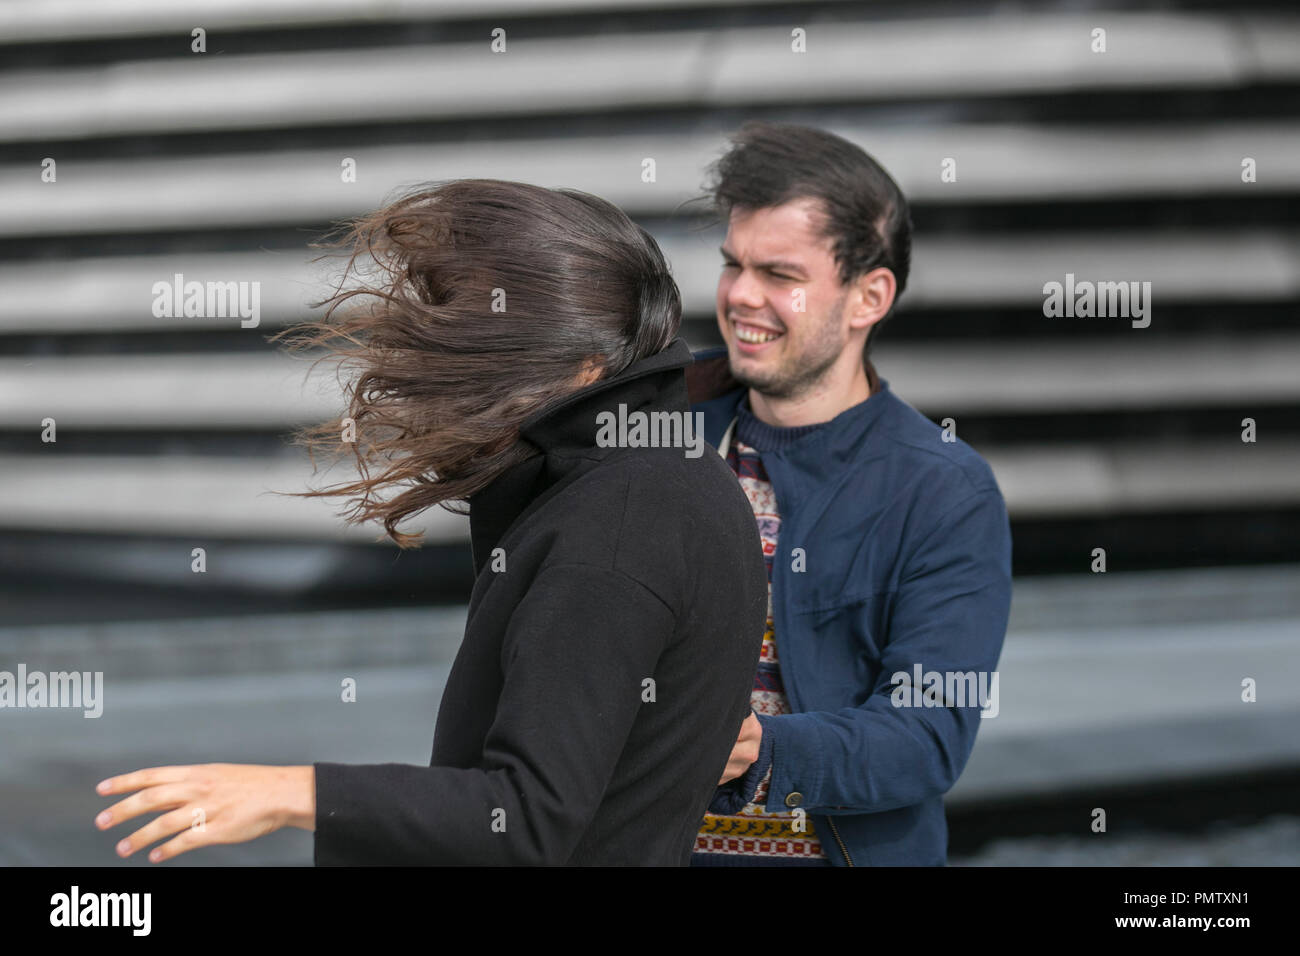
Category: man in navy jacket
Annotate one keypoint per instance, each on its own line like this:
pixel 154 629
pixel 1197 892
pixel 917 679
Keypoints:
pixel 888 542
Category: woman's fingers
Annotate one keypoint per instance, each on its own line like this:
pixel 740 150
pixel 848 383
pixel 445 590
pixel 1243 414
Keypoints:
pixel 143 778
pixel 189 839
pixel 160 797
pixel 164 825
pixel 231 803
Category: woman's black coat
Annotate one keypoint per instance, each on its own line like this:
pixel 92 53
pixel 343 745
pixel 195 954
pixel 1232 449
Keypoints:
pixel 607 664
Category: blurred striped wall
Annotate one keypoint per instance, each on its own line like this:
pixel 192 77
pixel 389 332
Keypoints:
pixel 1171 158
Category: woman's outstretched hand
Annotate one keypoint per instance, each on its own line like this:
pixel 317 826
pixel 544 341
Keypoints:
pixel 209 803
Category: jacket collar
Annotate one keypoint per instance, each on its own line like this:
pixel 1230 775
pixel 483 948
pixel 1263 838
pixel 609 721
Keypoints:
pixel 709 375
pixel 569 427
pixel 717 394
pixel 572 423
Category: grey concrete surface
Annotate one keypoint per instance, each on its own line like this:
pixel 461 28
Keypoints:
pixel 1104 680
pixel 52 759
pixel 1274 841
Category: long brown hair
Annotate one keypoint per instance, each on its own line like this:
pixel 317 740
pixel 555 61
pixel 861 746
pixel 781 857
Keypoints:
pixel 485 301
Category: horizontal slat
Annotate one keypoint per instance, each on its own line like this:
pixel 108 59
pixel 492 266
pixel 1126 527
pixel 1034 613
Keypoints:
pixel 726 67
pixel 82 19
pixel 1149 477
pixel 1098 602
pixel 172 495
pixel 994 162
pixel 1134 374
pixel 115 292
pixel 165 391
pixel 175 495
pixel 1013 53
pixel 255 390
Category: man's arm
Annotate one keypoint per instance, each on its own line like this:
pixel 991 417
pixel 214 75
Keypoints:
pixel 949 615
pixel 573 663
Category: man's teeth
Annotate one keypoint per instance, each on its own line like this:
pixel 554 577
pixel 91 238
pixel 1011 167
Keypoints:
pixel 755 337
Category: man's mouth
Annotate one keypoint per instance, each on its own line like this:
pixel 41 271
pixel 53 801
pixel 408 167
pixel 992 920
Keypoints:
pixel 754 334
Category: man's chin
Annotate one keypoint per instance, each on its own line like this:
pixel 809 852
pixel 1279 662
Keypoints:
pixel 759 374
pixel 762 384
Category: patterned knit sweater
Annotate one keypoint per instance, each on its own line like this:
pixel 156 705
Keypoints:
pixel 753 836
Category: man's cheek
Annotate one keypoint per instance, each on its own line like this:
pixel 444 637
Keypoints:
pixel 724 291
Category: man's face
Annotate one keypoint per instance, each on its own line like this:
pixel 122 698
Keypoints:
pixel 767 255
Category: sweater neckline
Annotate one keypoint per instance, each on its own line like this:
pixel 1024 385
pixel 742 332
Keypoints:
pixel 759 435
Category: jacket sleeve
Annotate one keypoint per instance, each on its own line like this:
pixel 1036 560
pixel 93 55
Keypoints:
pixel 949 615
pixel 734 795
pixel 576 651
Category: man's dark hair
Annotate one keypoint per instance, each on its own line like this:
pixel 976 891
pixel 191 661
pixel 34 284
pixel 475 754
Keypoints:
pixel 867 219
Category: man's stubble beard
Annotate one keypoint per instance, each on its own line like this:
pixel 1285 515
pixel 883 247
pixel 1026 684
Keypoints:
pixel 803 372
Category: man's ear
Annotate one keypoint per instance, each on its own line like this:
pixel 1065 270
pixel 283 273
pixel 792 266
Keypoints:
pixel 871 297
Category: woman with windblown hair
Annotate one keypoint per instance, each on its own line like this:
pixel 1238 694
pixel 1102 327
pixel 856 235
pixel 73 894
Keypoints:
pixel 620 593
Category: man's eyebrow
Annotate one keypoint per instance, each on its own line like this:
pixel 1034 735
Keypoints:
pixel 781 265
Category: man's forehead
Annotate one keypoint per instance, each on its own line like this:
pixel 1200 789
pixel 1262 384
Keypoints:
pixel 793 227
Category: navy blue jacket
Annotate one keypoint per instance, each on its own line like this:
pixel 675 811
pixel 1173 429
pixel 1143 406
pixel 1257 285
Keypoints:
pixel 904 558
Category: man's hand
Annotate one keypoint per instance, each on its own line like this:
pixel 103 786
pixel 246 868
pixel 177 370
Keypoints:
pixel 745 752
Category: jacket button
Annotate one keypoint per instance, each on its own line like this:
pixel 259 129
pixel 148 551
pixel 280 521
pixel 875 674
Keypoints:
pixel 793 799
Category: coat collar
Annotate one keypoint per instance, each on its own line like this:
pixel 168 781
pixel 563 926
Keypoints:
pixel 714 392
pixel 572 423
pixel 709 375
pixel 565 438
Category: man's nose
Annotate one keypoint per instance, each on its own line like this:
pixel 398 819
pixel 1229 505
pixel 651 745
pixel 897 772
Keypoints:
pixel 745 292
